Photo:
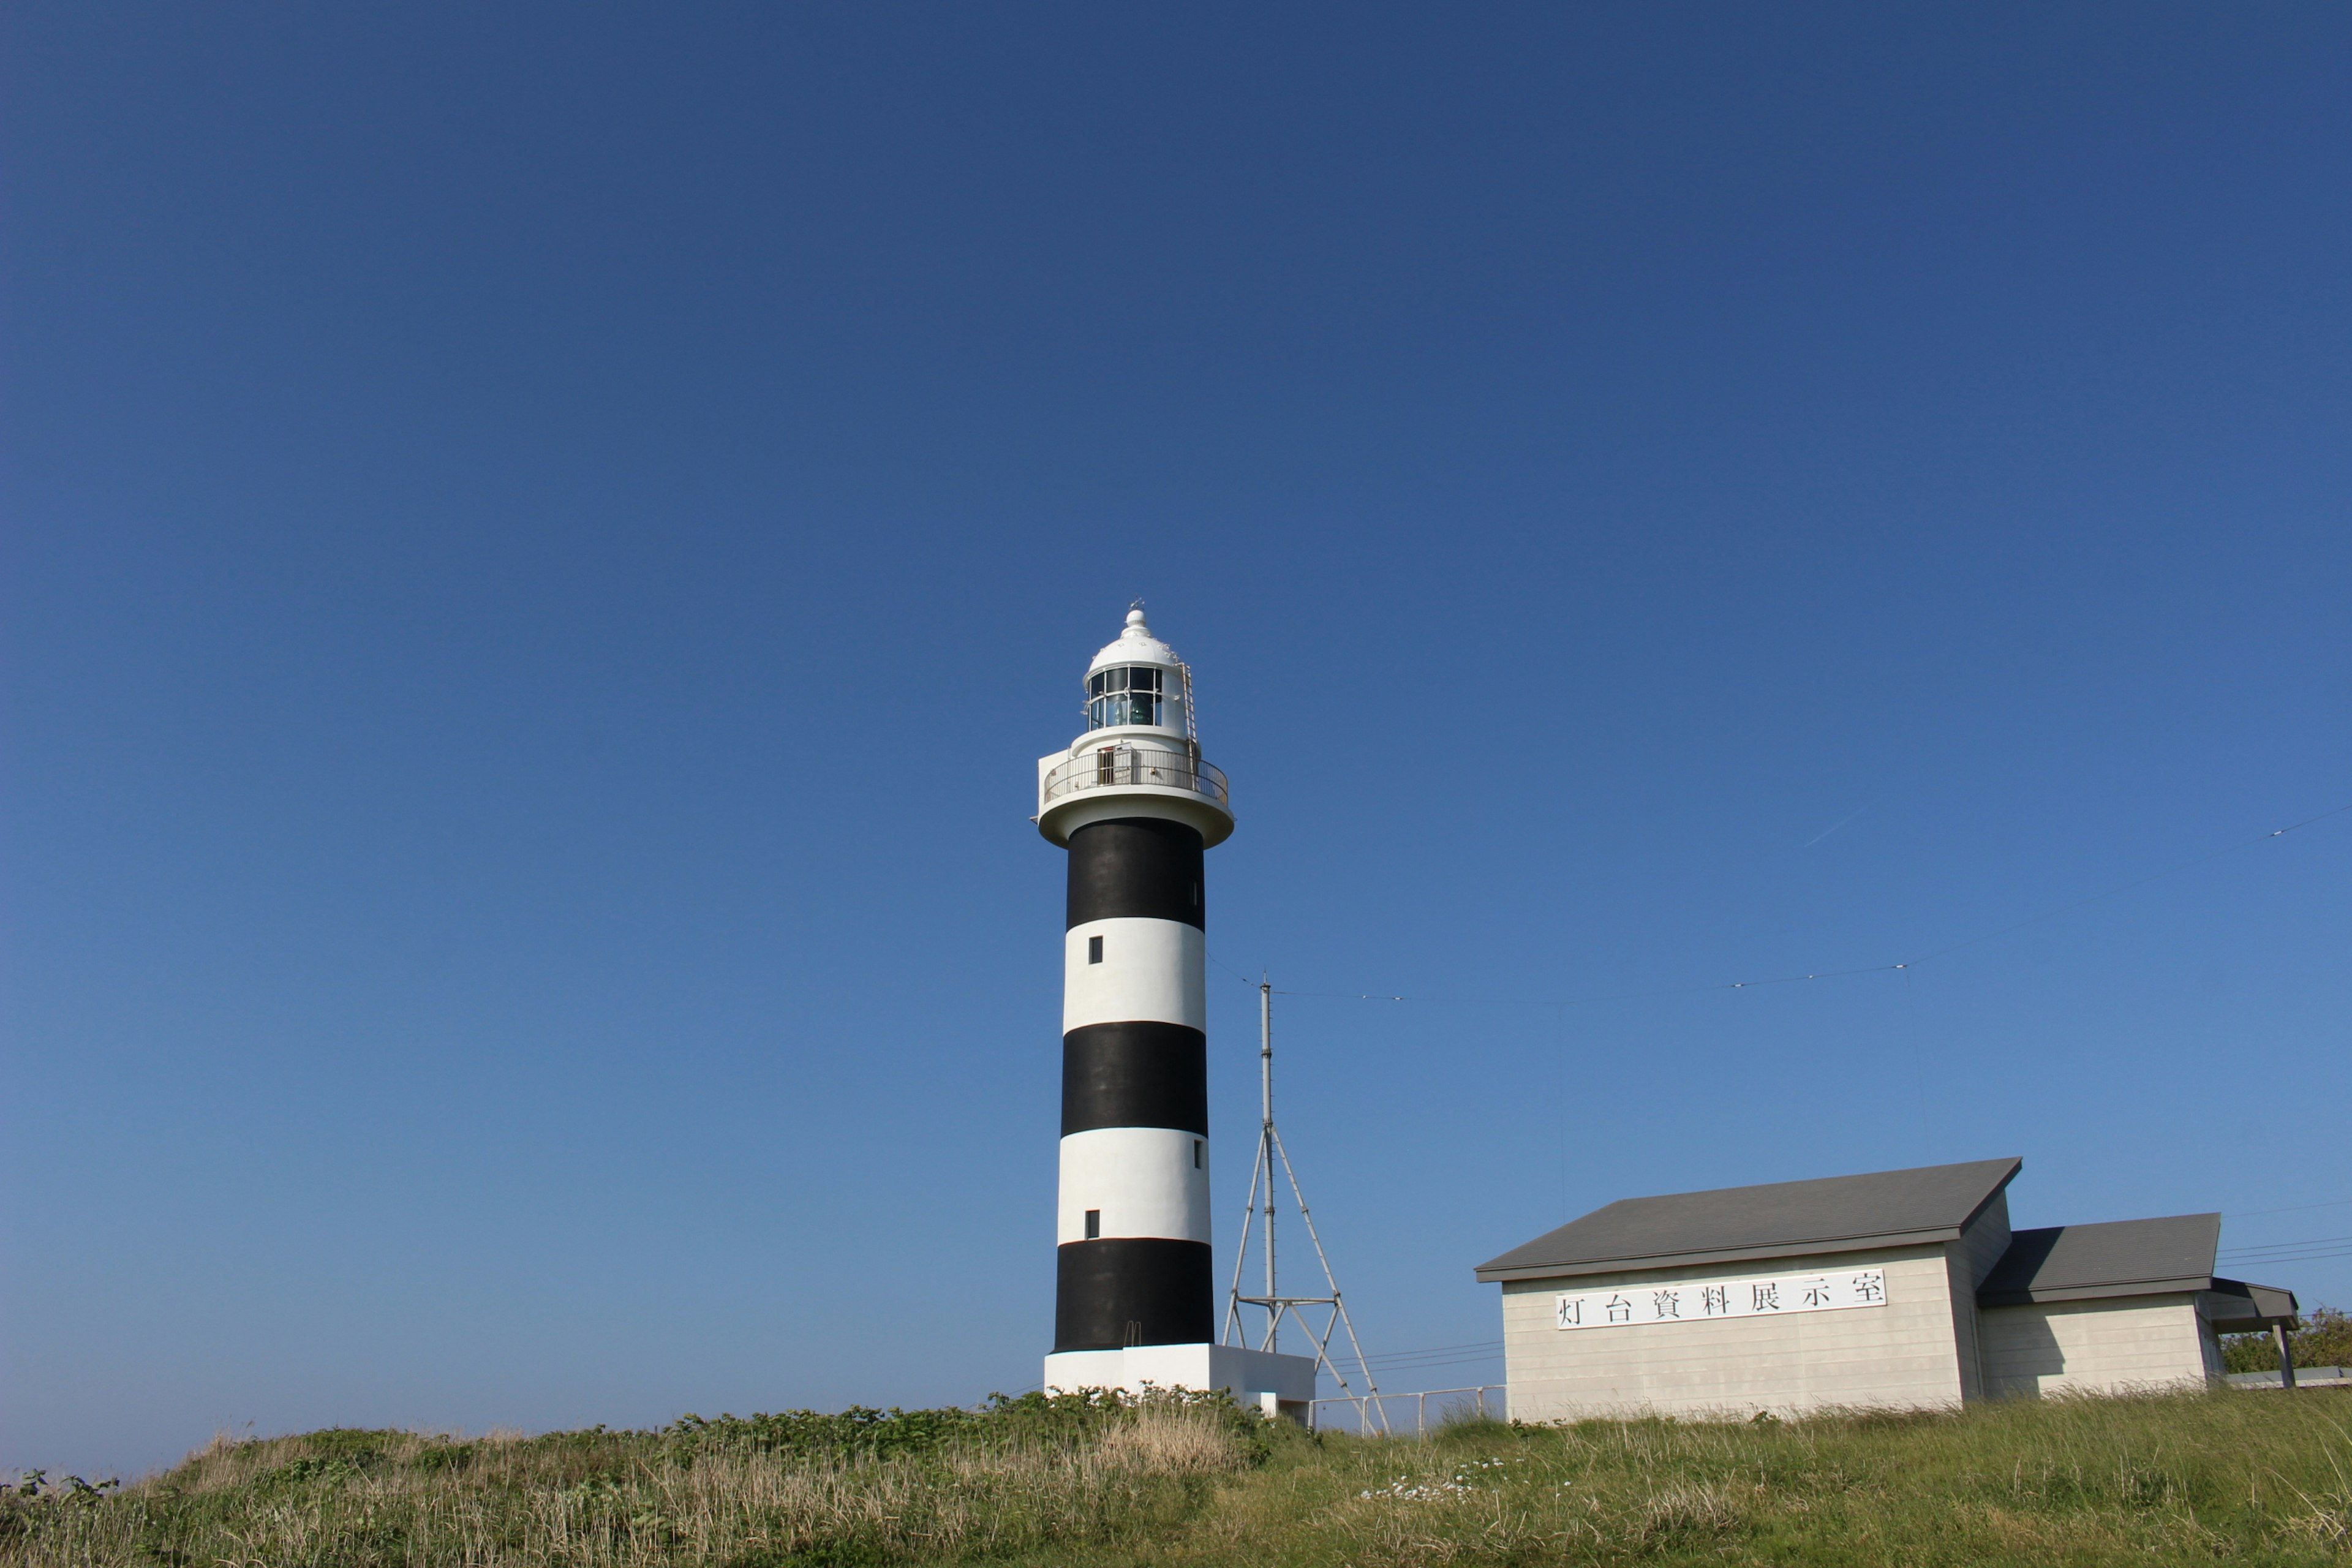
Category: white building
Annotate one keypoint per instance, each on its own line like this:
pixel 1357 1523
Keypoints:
pixel 1901 1288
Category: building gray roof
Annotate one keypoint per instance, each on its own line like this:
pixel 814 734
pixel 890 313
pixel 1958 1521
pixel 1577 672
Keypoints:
pixel 2132 1257
pixel 2234 1307
pixel 1780 1219
pixel 2124 1258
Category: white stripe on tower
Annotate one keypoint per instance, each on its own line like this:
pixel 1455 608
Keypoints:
pixel 1137 1180
pixel 1147 971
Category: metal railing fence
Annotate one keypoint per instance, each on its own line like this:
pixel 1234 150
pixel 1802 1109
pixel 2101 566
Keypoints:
pixel 1368 1405
pixel 1134 765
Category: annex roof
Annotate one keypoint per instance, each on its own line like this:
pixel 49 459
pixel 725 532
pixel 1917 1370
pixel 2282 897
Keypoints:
pixel 2132 1257
pixel 1780 1219
pixel 2124 1258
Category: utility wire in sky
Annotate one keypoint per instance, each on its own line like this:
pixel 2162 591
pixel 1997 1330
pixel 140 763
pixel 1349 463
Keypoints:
pixel 1442 1356
pixel 2291 1251
pixel 2292 1208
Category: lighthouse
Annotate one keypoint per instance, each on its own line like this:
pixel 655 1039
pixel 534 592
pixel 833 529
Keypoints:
pixel 1137 808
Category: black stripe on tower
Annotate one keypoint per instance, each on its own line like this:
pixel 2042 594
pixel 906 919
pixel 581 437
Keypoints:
pixel 1134 868
pixel 1134 1290
pixel 1134 1075
pixel 1138 1291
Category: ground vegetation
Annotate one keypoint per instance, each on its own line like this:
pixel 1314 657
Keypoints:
pixel 1187 1482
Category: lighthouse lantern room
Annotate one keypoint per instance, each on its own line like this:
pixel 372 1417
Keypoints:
pixel 1136 806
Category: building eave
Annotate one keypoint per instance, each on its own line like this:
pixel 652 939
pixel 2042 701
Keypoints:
pixel 2180 1286
pixel 2237 1307
pixel 1488 1274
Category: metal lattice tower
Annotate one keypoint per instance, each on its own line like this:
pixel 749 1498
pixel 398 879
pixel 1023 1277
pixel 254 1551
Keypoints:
pixel 1262 1203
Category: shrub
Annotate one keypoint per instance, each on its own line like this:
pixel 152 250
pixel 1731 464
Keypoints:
pixel 2324 1340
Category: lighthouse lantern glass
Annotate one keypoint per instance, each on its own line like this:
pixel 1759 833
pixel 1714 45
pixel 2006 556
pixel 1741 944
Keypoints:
pixel 1131 694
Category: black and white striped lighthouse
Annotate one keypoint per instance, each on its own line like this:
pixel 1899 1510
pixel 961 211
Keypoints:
pixel 1134 1295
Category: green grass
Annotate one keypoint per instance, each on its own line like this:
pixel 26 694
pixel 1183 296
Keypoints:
pixel 2159 1479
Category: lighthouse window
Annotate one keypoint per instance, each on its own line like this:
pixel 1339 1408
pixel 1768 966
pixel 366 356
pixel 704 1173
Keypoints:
pixel 1131 694
pixel 1094 950
pixel 1094 1224
pixel 1196 1153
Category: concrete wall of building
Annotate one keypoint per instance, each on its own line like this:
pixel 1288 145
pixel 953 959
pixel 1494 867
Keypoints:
pixel 1986 1237
pixel 1968 1347
pixel 1246 1372
pixel 2095 1347
pixel 1904 1355
pixel 1982 1241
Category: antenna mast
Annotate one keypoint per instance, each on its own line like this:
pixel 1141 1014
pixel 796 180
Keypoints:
pixel 1274 1304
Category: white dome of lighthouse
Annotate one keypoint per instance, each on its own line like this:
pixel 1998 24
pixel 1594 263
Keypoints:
pixel 1139 754
pixel 1136 645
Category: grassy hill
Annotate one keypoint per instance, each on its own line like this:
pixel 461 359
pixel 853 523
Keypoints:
pixel 2160 1478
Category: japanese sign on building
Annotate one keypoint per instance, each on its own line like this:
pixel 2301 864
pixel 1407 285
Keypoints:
pixel 1694 1300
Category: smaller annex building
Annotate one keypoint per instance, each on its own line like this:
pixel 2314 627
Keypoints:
pixel 1898 1289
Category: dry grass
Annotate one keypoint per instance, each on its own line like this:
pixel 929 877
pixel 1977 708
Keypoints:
pixel 1174 1441
pixel 599 1499
pixel 2157 1479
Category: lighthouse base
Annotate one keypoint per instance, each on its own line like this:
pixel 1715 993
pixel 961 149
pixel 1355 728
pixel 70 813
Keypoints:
pixel 1278 1384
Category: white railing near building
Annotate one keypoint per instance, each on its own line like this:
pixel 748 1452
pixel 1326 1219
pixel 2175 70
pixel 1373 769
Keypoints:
pixel 1369 1406
pixel 1127 766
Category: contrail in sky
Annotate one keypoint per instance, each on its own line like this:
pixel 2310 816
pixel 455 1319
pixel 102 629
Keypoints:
pixel 1834 826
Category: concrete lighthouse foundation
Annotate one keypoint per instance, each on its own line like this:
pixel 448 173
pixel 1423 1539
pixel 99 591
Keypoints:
pixel 1137 808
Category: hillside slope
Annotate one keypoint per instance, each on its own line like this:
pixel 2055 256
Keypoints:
pixel 2160 1479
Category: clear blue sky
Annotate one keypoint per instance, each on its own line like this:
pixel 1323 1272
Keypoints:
pixel 543 543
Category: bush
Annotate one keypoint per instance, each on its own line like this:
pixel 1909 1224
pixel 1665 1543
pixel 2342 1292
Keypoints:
pixel 2324 1340
pixel 858 1432
pixel 1047 1420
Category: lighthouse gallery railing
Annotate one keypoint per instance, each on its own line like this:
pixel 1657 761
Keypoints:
pixel 1116 765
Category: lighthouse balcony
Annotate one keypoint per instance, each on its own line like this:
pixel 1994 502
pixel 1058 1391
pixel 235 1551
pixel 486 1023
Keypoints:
pixel 1111 780
pixel 1128 767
